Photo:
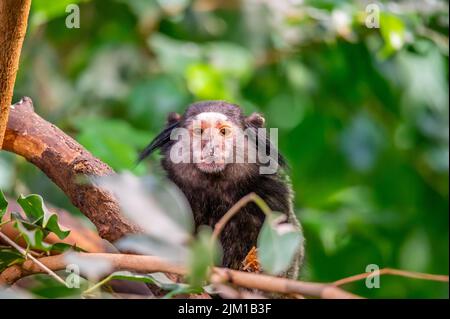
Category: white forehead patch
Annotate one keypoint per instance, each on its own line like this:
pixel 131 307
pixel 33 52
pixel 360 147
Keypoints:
pixel 211 116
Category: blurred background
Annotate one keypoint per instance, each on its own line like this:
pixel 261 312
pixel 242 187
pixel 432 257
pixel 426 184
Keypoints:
pixel 361 105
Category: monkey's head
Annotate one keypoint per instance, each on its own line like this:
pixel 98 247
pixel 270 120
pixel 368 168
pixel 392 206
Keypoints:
pixel 209 139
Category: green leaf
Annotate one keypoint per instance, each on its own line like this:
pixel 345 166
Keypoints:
pixel 204 253
pixel 52 225
pixel 31 208
pixel 277 244
pixel 158 279
pixel 45 286
pixel 8 257
pixel 3 205
pixel 34 237
pixel 393 32
pixel 62 247
pixel 37 213
pixel 43 10
pixel 123 275
pixel 164 282
pixel 206 82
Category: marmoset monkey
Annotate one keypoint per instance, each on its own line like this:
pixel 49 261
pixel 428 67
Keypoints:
pixel 214 171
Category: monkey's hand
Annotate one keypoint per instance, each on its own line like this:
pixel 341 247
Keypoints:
pixel 251 263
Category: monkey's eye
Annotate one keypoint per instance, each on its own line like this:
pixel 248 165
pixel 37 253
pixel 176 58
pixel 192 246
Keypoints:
pixel 225 131
pixel 197 131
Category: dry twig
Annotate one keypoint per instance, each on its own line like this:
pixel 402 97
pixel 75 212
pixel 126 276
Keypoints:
pixel 391 271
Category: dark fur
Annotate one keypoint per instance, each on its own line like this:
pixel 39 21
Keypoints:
pixel 212 195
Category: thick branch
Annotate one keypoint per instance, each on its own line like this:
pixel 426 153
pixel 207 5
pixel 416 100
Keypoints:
pixel 13 25
pixel 63 160
pixel 147 264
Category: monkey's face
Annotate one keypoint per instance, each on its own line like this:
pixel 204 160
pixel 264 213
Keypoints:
pixel 215 139
pixel 212 141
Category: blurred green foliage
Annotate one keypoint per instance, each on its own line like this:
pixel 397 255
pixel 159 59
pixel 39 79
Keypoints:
pixel 362 112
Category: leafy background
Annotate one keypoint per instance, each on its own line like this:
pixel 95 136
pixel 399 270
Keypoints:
pixel 362 112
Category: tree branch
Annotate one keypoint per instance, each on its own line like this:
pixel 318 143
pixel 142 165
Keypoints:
pixel 63 160
pixel 147 264
pixel 390 271
pixel 13 25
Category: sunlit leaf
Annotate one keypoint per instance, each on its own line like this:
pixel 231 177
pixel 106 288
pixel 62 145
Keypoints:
pixel 33 237
pixel 393 32
pixel 43 10
pixel 206 82
pixel 36 212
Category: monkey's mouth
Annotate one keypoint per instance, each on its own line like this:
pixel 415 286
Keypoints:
pixel 211 167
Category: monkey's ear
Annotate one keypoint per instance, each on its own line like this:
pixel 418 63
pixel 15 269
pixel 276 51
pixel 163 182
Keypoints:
pixel 255 120
pixel 173 117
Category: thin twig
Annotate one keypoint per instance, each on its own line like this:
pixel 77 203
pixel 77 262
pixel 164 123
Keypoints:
pixel 28 255
pixel 391 271
pixel 252 197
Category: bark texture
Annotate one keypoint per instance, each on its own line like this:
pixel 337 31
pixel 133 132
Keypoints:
pixel 13 25
pixel 63 160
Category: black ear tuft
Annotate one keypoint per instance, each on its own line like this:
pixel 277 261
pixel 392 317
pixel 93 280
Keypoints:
pixel 162 139
pixel 255 120
pixel 173 117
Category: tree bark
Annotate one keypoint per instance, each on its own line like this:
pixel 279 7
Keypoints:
pixel 13 25
pixel 63 160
